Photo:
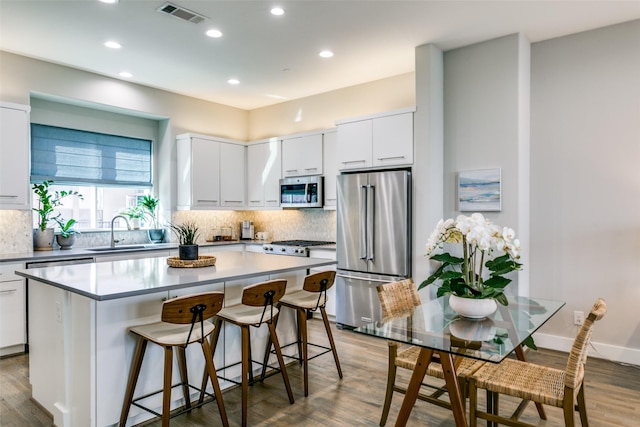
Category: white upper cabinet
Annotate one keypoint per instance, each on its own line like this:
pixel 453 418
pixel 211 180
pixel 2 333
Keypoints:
pixel 14 156
pixel 210 173
pixel 233 158
pixel 263 174
pixel 330 150
pixel 376 141
pixel 302 155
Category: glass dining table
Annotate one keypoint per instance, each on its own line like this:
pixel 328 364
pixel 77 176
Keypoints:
pixel 438 330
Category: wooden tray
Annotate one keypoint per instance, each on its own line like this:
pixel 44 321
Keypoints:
pixel 202 261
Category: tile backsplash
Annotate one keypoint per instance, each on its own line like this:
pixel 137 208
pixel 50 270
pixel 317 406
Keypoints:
pixel 309 224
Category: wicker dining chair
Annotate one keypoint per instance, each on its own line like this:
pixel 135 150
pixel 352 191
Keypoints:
pixel 397 299
pixel 531 382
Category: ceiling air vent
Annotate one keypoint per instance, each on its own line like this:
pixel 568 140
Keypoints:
pixel 181 13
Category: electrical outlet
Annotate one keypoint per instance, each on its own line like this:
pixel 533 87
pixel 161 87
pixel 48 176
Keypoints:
pixel 578 318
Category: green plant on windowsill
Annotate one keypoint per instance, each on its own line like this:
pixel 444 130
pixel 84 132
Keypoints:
pixel 66 228
pixel 48 201
pixel 149 204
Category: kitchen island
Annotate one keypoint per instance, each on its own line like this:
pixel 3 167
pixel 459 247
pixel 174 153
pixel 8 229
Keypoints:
pixel 79 345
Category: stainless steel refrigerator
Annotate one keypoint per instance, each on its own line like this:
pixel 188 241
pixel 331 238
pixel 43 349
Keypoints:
pixel 373 241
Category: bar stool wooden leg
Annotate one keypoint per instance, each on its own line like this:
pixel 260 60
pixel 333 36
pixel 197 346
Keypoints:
pixel 303 346
pixel 141 346
pixel 283 369
pixel 214 342
pixel 166 391
pixel 245 367
pixel 208 358
pixel 332 343
pixel 184 378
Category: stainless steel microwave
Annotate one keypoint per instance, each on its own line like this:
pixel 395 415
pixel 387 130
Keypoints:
pixel 301 192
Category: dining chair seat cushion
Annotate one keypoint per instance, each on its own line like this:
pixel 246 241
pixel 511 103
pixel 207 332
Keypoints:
pixel 304 299
pixel 523 380
pixel 171 334
pixel 407 358
pixel 241 314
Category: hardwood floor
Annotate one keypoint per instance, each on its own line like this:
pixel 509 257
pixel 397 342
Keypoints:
pixel 612 392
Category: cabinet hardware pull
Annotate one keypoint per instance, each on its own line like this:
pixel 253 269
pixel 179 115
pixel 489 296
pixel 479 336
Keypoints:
pixel 207 201
pixel 233 201
pixel 254 201
pixel 328 199
pixel 272 201
pixel 7 291
pixel 391 158
pixel 311 169
pixel 9 196
pixel 291 170
pixel 353 161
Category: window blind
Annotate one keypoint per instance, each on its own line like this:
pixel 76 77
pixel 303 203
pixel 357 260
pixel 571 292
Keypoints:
pixel 80 157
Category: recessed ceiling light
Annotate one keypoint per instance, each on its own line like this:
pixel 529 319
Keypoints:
pixel 214 33
pixel 125 74
pixel 277 11
pixel 233 81
pixel 326 54
pixel 113 45
pixel 109 1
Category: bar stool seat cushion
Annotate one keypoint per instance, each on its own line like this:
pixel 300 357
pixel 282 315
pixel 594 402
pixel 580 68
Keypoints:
pixel 247 315
pixel 171 334
pixel 303 299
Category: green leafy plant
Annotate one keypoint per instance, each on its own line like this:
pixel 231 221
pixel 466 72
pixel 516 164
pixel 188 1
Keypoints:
pixel 66 228
pixel 149 205
pixel 48 201
pixel 133 212
pixel 479 239
pixel 187 233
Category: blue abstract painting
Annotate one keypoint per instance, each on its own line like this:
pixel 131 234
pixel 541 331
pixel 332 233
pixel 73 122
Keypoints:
pixel 479 190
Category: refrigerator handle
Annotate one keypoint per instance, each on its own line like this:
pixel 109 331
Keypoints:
pixel 368 279
pixel 362 223
pixel 371 214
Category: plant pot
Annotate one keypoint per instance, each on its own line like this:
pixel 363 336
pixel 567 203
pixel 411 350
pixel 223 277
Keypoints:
pixel 66 242
pixel 156 235
pixel 43 240
pixel 188 252
pixel 472 308
pixel 135 223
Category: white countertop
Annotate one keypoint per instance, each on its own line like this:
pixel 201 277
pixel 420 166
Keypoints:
pixel 121 279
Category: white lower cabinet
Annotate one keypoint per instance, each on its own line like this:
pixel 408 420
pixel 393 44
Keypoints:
pixel 12 310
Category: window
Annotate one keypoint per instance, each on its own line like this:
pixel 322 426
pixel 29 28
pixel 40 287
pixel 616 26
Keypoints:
pixel 110 171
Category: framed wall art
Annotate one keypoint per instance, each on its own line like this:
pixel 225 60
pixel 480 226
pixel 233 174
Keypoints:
pixel 479 190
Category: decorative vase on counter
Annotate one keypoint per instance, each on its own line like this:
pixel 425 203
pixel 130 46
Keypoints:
pixel 188 252
pixel 473 329
pixel 43 240
pixel 473 308
pixel 156 235
pixel 66 242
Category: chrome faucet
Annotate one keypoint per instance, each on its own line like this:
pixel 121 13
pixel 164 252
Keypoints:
pixel 114 241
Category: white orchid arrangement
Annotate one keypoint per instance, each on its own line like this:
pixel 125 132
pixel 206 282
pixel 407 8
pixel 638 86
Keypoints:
pixel 481 241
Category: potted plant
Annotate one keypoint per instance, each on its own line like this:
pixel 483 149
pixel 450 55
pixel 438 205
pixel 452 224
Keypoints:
pixel 47 202
pixel 464 277
pixel 67 236
pixel 135 214
pixel 150 206
pixel 187 234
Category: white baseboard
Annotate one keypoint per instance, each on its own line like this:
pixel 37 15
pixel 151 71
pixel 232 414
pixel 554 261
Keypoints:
pixel 602 351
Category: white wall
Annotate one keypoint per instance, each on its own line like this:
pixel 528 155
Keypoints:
pixel 585 181
pixel 486 125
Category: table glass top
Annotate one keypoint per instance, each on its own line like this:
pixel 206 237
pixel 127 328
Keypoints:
pixel 436 326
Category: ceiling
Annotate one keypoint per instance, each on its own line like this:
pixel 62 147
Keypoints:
pixel 275 58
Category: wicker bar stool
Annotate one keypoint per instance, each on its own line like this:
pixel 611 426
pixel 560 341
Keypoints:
pixel 397 299
pixel 531 382
pixel 311 298
pixel 183 322
pixel 256 308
